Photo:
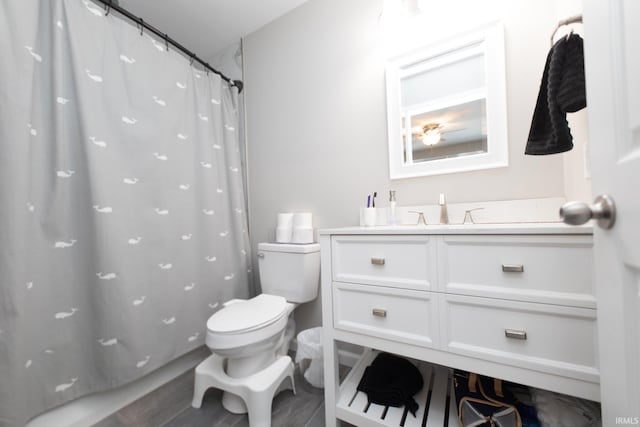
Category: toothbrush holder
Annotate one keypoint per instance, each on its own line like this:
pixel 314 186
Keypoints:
pixel 368 217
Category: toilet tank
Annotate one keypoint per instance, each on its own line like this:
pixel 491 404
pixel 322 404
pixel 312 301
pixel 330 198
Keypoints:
pixel 290 270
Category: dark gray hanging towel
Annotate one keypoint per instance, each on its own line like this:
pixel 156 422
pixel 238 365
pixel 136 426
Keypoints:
pixel 562 91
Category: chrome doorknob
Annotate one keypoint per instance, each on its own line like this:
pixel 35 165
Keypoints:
pixel 603 209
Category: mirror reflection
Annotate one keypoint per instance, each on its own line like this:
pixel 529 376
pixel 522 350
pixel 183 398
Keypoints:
pixel 446 112
pixel 459 130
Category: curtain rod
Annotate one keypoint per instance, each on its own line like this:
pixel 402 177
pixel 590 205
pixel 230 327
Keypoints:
pixel 110 4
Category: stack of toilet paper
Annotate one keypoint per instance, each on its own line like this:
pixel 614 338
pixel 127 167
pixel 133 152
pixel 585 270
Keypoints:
pixel 294 228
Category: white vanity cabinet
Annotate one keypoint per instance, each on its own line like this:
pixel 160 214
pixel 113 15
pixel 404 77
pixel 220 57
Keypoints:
pixel 510 301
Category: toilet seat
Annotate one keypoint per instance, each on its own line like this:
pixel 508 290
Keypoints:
pixel 245 316
pixel 247 322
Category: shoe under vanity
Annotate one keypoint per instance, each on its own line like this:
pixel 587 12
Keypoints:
pixel 512 301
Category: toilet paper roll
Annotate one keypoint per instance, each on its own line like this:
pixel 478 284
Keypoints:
pixel 285 220
pixel 284 234
pixel 302 220
pixel 302 235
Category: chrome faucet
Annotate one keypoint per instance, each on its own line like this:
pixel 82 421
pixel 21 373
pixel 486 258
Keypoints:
pixel 444 215
pixel 421 218
pixel 467 214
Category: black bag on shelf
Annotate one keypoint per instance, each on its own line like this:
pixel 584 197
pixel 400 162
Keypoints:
pixel 391 380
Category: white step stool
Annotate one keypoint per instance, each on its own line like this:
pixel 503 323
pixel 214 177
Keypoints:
pixel 256 390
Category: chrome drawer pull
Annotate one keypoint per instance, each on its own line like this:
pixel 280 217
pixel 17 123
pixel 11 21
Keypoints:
pixel 379 312
pixel 377 261
pixel 513 268
pixel 515 334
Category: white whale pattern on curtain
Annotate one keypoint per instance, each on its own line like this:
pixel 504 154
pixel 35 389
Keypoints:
pixel 103 209
pixel 159 101
pixel 63 387
pixel 134 240
pixel 96 78
pixel 129 120
pixel 127 59
pixel 160 46
pixel 143 362
pixel 64 315
pixel 62 244
pixel 109 342
pixel 93 8
pixel 139 301
pixel 65 174
pixel 95 141
pixel 99 198
pixel 35 55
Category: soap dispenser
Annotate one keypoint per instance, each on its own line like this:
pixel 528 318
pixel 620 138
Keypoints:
pixel 392 219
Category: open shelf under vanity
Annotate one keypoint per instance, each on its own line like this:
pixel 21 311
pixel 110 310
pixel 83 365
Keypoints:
pixel 436 400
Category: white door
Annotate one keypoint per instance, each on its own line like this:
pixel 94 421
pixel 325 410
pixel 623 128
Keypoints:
pixel 612 65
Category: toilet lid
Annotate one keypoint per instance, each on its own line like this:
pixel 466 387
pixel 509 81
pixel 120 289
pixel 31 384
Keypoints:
pixel 248 315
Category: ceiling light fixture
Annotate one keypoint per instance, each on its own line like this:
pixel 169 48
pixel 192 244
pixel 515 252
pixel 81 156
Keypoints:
pixel 431 134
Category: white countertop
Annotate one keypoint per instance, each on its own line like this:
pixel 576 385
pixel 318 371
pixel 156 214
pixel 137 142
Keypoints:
pixel 502 228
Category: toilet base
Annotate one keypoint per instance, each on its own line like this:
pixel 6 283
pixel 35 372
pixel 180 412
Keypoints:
pixel 243 367
pixel 233 403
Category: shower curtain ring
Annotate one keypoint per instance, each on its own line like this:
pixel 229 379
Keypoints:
pixel 166 41
pixel 193 58
pixel 141 26
pixel 107 9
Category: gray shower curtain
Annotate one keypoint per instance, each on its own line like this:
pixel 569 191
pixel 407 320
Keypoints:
pixel 122 216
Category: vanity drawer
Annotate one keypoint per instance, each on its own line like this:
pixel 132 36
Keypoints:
pixel 403 315
pixel 396 261
pixel 549 338
pixel 554 269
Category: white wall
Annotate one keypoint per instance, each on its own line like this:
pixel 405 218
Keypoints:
pixel 316 114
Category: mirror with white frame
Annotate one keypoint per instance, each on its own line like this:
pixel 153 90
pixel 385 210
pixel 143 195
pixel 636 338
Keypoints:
pixel 446 106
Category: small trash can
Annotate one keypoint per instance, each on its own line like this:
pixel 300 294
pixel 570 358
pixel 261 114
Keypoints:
pixel 310 348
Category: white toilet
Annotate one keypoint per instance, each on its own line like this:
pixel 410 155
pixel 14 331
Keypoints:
pixel 251 334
